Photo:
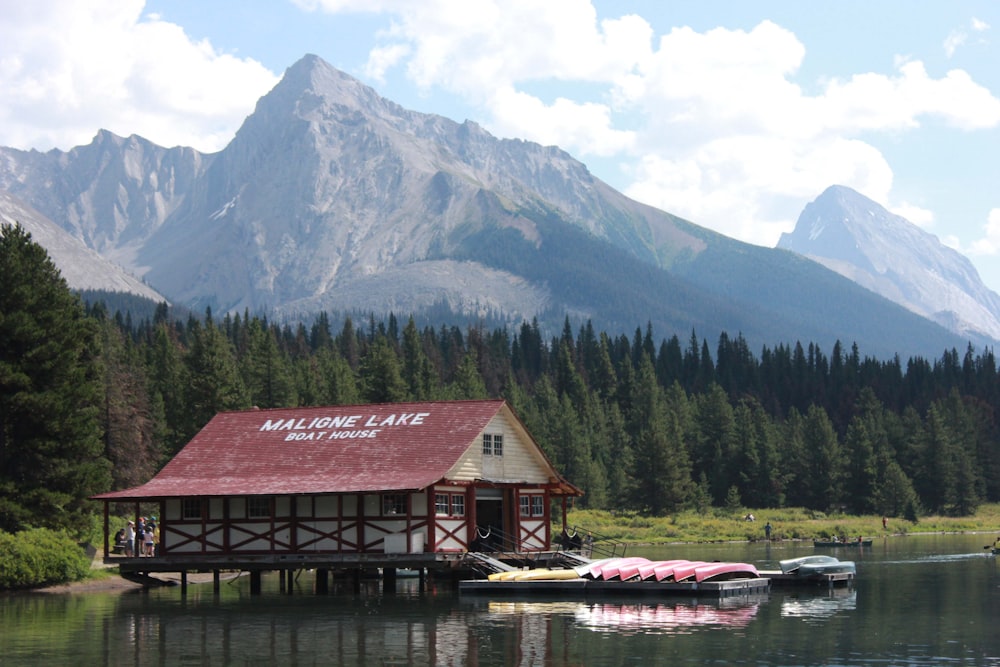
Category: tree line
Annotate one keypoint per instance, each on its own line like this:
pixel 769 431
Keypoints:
pixel 640 423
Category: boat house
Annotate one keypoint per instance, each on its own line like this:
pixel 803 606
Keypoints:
pixel 341 486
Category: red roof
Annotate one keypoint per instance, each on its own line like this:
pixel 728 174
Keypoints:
pixel 339 449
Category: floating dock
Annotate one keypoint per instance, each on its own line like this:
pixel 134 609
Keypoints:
pixel 779 578
pixel 588 587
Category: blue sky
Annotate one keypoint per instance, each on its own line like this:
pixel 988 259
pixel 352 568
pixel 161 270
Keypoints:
pixel 731 114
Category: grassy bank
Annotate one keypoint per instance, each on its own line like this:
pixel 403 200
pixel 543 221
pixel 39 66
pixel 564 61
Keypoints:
pixel 719 525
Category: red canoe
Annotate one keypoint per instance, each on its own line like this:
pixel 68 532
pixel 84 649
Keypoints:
pixel 611 570
pixel 720 571
pixel 648 570
pixel 686 570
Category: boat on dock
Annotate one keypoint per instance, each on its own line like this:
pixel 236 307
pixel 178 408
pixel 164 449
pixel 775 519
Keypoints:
pixel 686 570
pixel 818 568
pixel 793 564
pixel 649 570
pixel 725 571
pixel 838 567
pixel 616 568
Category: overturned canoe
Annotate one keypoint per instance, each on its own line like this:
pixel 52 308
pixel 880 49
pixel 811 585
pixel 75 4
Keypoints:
pixel 792 564
pixel 839 567
pixel 725 571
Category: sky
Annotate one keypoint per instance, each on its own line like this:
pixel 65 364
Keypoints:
pixel 729 113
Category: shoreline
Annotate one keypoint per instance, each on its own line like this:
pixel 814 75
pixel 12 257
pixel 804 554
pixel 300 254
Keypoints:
pixel 112 582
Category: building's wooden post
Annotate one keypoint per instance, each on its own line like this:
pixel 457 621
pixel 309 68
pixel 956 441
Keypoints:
pixel 281 580
pixel 215 582
pixel 184 581
pixel 107 531
pixel 255 582
pixel 291 580
pixel 322 580
pixel 388 580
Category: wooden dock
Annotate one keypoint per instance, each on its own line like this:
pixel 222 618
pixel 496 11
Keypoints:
pixel 779 578
pixel 591 587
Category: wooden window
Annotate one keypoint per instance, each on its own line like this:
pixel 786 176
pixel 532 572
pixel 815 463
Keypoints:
pixel 258 507
pixel 191 508
pixel 537 506
pixel 525 503
pixel 393 504
pixel 492 444
pixel 441 503
pixel 457 505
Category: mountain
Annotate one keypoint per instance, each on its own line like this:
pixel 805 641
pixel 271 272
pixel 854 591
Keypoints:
pixel 333 198
pixel 81 267
pixel 859 239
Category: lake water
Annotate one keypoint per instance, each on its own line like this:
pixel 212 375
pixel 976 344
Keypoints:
pixel 919 600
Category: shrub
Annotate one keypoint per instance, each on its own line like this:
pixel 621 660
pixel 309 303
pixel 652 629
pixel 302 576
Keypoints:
pixel 40 557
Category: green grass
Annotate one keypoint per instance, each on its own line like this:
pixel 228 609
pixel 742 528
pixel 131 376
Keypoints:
pixel 720 525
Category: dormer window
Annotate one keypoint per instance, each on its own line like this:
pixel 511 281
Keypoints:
pixel 492 444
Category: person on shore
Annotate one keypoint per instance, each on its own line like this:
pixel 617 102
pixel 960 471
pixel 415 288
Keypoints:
pixel 767 531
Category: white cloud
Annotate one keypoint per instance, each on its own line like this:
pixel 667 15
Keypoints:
pixel 954 40
pixel 564 122
pixel 921 217
pixel 713 123
pixel 989 244
pixel 71 67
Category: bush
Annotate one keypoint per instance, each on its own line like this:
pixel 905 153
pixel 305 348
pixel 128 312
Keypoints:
pixel 40 557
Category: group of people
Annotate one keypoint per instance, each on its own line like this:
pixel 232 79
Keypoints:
pixel 139 539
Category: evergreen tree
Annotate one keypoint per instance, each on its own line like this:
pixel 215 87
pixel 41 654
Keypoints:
pixel 714 426
pixel 129 416
pixel 266 371
pixel 381 374
pixel 51 453
pixel 823 461
pixel 214 384
pixel 662 468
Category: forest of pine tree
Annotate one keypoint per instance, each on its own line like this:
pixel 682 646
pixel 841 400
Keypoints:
pixel 640 424
pixel 89 400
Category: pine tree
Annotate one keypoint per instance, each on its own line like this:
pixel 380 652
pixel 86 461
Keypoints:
pixel 214 383
pixel 50 439
pixel 381 374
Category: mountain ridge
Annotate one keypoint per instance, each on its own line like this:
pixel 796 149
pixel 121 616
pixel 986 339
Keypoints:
pixel 333 198
pixel 858 238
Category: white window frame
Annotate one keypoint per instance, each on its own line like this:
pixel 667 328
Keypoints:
pixel 492 444
pixel 258 507
pixel 457 504
pixel 393 504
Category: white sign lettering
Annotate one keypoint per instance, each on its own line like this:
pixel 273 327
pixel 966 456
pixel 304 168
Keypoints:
pixel 341 427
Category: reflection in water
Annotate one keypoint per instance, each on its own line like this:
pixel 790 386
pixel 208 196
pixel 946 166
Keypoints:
pixel 670 618
pixel 917 602
pixel 819 607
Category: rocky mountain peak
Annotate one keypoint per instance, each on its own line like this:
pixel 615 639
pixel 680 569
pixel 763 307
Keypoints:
pixel 884 252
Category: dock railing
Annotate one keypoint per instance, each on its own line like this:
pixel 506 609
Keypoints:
pixel 591 544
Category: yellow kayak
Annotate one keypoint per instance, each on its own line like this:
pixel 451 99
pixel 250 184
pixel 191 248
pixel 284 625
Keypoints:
pixel 542 574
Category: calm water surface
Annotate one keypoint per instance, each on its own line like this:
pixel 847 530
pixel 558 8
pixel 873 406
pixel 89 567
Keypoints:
pixel 921 600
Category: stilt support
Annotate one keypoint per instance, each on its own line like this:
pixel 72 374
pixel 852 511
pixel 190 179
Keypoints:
pixel 255 582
